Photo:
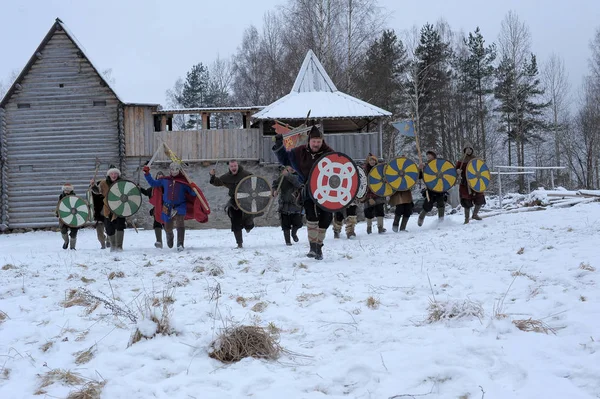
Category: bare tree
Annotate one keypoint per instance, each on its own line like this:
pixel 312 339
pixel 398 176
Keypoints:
pixel 556 82
pixel 172 95
pixel 6 83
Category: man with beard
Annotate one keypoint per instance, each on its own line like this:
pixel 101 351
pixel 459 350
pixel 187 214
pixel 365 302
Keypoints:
pixel 239 219
pixel 302 159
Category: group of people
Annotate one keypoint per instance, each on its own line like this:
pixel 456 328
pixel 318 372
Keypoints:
pixel 175 199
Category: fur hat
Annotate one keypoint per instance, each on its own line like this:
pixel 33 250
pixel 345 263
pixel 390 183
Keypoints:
pixel 432 153
pixel 175 167
pixel 315 133
pixel 112 168
pixel 68 187
pixel 468 146
pixel 371 156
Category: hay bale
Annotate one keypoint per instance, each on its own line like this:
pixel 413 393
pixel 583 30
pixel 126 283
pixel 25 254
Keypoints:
pixel 236 343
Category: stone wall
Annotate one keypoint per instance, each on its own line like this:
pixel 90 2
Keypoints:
pixel 217 196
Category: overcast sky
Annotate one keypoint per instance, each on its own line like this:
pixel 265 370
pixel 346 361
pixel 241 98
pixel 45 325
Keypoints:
pixel 149 44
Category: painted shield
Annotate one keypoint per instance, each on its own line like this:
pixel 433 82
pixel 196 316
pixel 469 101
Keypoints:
pixel 478 175
pixel 333 181
pixel 377 182
pixel 401 173
pixel 73 211
pixel 253 194
pixel 439 175
pixel 362 184
pixel 124 198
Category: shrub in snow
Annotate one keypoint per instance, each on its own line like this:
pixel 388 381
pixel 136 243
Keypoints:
pixel 538 197
pixel 236 343
pixel 155 320
pixel 441 311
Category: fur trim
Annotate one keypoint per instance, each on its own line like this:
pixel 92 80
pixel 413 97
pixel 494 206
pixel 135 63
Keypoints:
pixel 115 170
pixel 68 187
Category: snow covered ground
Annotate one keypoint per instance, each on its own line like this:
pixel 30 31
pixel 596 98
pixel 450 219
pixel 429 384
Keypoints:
pixel 540 265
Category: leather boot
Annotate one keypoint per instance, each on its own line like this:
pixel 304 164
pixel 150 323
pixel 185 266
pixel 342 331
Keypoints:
pixel 65 237
pixel 170 238
pixel 404 223
pixel 72 243
pixel 286 236
pixel 476 212
pixel 100 235
pixel 295 234
pixel 421 218
pixel 467 211
pixel 396 223
pixel 380 228
pixel 441 212
pixel 319 251
pixel 119 240
pixel 112 242
pixel 369 226
pixel 158 235
pixel 312 253
pixel 180 238
pixel 239 239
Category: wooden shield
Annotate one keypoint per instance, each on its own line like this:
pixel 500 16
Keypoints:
pixel 253 194
pixel 377 182
pixel 73 211
pixel 362 184
pixel 439 175
pixel 478 175
pixel 401 173
pixel 124 198
pixel 333 181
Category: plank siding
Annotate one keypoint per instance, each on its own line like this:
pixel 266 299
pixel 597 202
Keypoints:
pixel 213 144
pixel 59 137
pixel 139 130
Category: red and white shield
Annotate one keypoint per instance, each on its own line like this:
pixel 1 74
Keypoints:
pixel 333 181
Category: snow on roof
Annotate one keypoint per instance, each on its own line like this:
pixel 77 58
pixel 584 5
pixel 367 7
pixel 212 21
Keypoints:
pixel 314 90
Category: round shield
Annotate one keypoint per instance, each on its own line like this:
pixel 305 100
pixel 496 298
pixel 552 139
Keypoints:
pixel 377 182
pixel 478 175
pixel 124 198
pixel 253 194
pixel 439 175
pixel 401 173
pixel 73 211
pixel 362 184
pixel 333 181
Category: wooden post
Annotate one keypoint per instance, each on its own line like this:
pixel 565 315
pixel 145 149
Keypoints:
pixel 552 178
pixel 500 189
pixel 245 120
pixel 205 121
pixel 163 123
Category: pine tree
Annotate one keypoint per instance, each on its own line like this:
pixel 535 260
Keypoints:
pixel 382 81
pixel 432 79
pixel 196 92
pixel 479 70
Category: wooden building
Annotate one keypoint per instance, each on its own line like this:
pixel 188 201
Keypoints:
pixel 56 120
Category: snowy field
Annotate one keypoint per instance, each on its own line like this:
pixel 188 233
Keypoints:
pixel 358 324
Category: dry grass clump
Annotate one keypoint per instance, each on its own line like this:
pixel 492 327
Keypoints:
pixel 76 298
pixel 87 280
pixel 441 311
pixel 259 307
pixel 3 316
pixel 533 325
pixel 160 316
pixel 66 377
pixel 215 271
pixel 236 343
pixel 521 251
pixel 83 357
pixel 372 303
pixel 91 390
pixel 8 266
pixel 199 269
pixel 46 347
pixel 114 275
pixel 587 266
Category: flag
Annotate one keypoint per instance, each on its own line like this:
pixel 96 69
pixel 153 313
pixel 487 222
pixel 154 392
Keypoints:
pixel 406 128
